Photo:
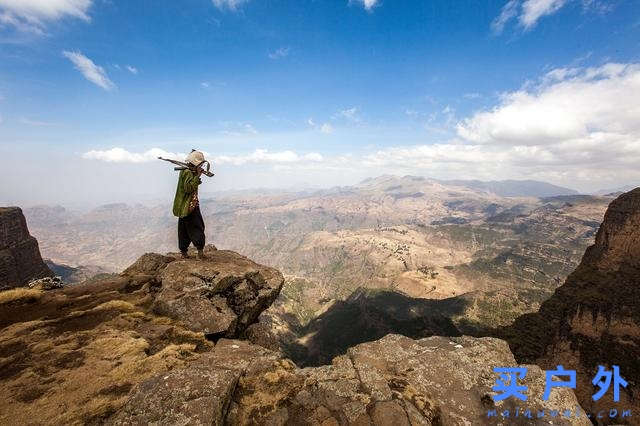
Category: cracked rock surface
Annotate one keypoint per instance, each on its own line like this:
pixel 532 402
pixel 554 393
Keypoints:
pixel 220 296
pixel 392 381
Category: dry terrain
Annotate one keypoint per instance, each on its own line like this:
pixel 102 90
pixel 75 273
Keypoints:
pixel 421 238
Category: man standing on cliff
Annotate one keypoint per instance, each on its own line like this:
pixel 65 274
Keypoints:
pixel 187 207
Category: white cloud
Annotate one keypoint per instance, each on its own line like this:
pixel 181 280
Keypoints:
pixel 121 155
pixel 205 85
pixel 263 156
pixel 132 70
pixel 472 95
pixel 279 53
pixel 32 15
pixel 575 127
pixel 368 4
pixel 92 72
pixel 566 105
pixel 259 156
pixel 228 4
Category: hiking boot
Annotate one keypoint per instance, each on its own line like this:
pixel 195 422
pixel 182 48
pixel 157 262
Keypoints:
pixel 201 255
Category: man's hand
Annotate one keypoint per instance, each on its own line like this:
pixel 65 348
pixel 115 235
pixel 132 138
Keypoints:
pixel 196 170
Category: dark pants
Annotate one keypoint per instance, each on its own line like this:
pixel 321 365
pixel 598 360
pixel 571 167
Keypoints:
pixel 191 230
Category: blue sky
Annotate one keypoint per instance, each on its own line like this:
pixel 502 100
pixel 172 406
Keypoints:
pixel 291 93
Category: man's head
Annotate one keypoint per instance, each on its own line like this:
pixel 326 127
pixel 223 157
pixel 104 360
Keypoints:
pixel 195 158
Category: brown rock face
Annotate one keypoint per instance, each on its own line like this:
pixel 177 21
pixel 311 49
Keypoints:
pixel 20 260
pixel 392 381
pixel 220 296
pixel 594 318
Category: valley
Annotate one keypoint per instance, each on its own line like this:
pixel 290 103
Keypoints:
pixel 494 257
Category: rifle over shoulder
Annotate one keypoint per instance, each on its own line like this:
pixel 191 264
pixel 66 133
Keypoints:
pixel 184 166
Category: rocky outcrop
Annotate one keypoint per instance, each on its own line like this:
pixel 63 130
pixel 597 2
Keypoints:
pixel 220 296
pixel 158 317
pixel 594 318
pixel 393 381
pixel 20 260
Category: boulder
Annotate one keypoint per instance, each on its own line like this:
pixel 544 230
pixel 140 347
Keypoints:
pixel 46 283
pixel 220 296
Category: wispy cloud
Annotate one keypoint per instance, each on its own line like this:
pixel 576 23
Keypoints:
pixel 527 12
pixel 131 69
pixel 32 15
pixel 228 4
pixel 509 11
pixel 92 72
pixel 37 123
pixel 326 128
pixel 352 114
pixel 472 95
pixel 279 53
pixel 323 128
pixel 533 10
pixel 232 128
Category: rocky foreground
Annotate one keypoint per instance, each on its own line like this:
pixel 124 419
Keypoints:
pixel 174 341
pixel 393 381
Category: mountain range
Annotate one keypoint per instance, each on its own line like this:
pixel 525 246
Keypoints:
pixel 414 236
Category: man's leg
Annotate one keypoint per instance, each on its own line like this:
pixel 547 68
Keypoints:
pixel 183 236
pixel 195 228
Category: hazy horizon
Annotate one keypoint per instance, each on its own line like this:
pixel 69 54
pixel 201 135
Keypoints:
pixel 160 199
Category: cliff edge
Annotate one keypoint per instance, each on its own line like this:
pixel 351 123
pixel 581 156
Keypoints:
pixel 594 317
pixel 20 260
